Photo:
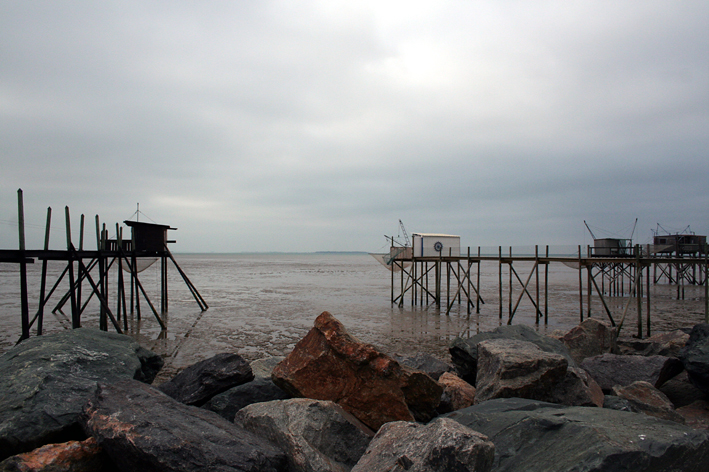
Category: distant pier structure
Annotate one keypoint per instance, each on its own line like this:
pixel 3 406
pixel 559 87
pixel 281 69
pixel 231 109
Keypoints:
pixel 431 269
pixel 90 271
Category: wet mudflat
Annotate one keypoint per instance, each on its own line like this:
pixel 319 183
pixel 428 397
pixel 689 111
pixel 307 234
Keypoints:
pixel 262 304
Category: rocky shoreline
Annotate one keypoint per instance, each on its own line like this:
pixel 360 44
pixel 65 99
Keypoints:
pixel 508 400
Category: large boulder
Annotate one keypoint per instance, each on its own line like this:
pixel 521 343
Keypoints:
pixel 45 381
pixel 610 370
pixel 661 344
pixel 648 400
pixel 576 389
pixel 330 364
pixel 511 368
pixel 141 428
pixel 426 363
pixel 443 445
pixel 71 456
pixel 201 381
pixel 259 390
pixel 695 357
pixel 696 414
pixel 316 435
pixel 590 338
pixel 464 351
pixel 536 436
pixel 264 367
pixel 457 393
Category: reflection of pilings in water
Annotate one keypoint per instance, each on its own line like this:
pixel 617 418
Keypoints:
pixel 620 276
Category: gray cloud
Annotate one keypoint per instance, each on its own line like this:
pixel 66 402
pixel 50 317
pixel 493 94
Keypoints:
pixel 306 126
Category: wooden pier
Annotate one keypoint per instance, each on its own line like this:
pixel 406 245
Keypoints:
pixel 444 281
pixel 147 244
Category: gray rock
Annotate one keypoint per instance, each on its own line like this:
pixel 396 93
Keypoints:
pixel 426 363
pixel 511 368
pixel 45 381
pixel 590 338
pixel 613 402
pixel 440 446
pixel 201 381
pixel 576 389
pixel 661 344
pixel 610 370
pixel 464 352
pixel 532 436
pixel 140 428
pixel 264 367
pixel 317 436
pixel 648 400
pixel 695 357
pixel 226 404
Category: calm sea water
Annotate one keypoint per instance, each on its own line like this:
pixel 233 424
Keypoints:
pixel 262 304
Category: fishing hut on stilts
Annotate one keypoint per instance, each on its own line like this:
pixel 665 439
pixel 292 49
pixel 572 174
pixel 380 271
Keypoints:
pixel 431 269
pixel 89 272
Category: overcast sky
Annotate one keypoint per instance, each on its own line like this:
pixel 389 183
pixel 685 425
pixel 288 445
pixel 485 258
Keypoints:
pixel 307 126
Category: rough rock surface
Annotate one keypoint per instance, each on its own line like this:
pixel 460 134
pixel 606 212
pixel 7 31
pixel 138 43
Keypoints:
pixel 696 415
pixel 141 428
pixel 264 367
pixel 426 363
pixel 440 446
pixel 649 400
pixel 660 344
pixel 510 368
pixel 457 393
pixel 590 338
pixel 201 381
pixel 681 391
pixel 72 456
pixel 464 352
pixel 695 357
pixel 538 436
pixel 45 381
pixel 576 389
pixel 610 370
pixel 329 364
pixel 259 390
pixel 316 435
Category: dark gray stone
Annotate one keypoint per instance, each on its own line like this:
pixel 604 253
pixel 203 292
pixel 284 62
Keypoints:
pixel 610 370
pixel 535 436
pixel 45 381
pixel 426 363
pixel 464 352
pixel 512 368
pixel 316 435
pixel 140 428
pixel 201 381
pixel 443 445
pixel 613 402
pixel 695 357
pixel 226 404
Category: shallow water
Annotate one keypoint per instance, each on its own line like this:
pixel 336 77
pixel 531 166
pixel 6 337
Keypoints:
pixel 261 305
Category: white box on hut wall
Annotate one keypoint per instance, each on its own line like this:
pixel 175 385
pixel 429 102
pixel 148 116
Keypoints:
pixel 435 245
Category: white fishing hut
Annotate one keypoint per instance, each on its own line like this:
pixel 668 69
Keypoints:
pixel 435 245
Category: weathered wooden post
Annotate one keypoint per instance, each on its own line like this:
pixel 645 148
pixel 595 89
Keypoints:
pixel 25 314
pixel 43 283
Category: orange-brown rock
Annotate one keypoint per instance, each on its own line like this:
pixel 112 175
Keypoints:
pixel 457 392
pixel 330 364
pixel 71 456
pixel 648 400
